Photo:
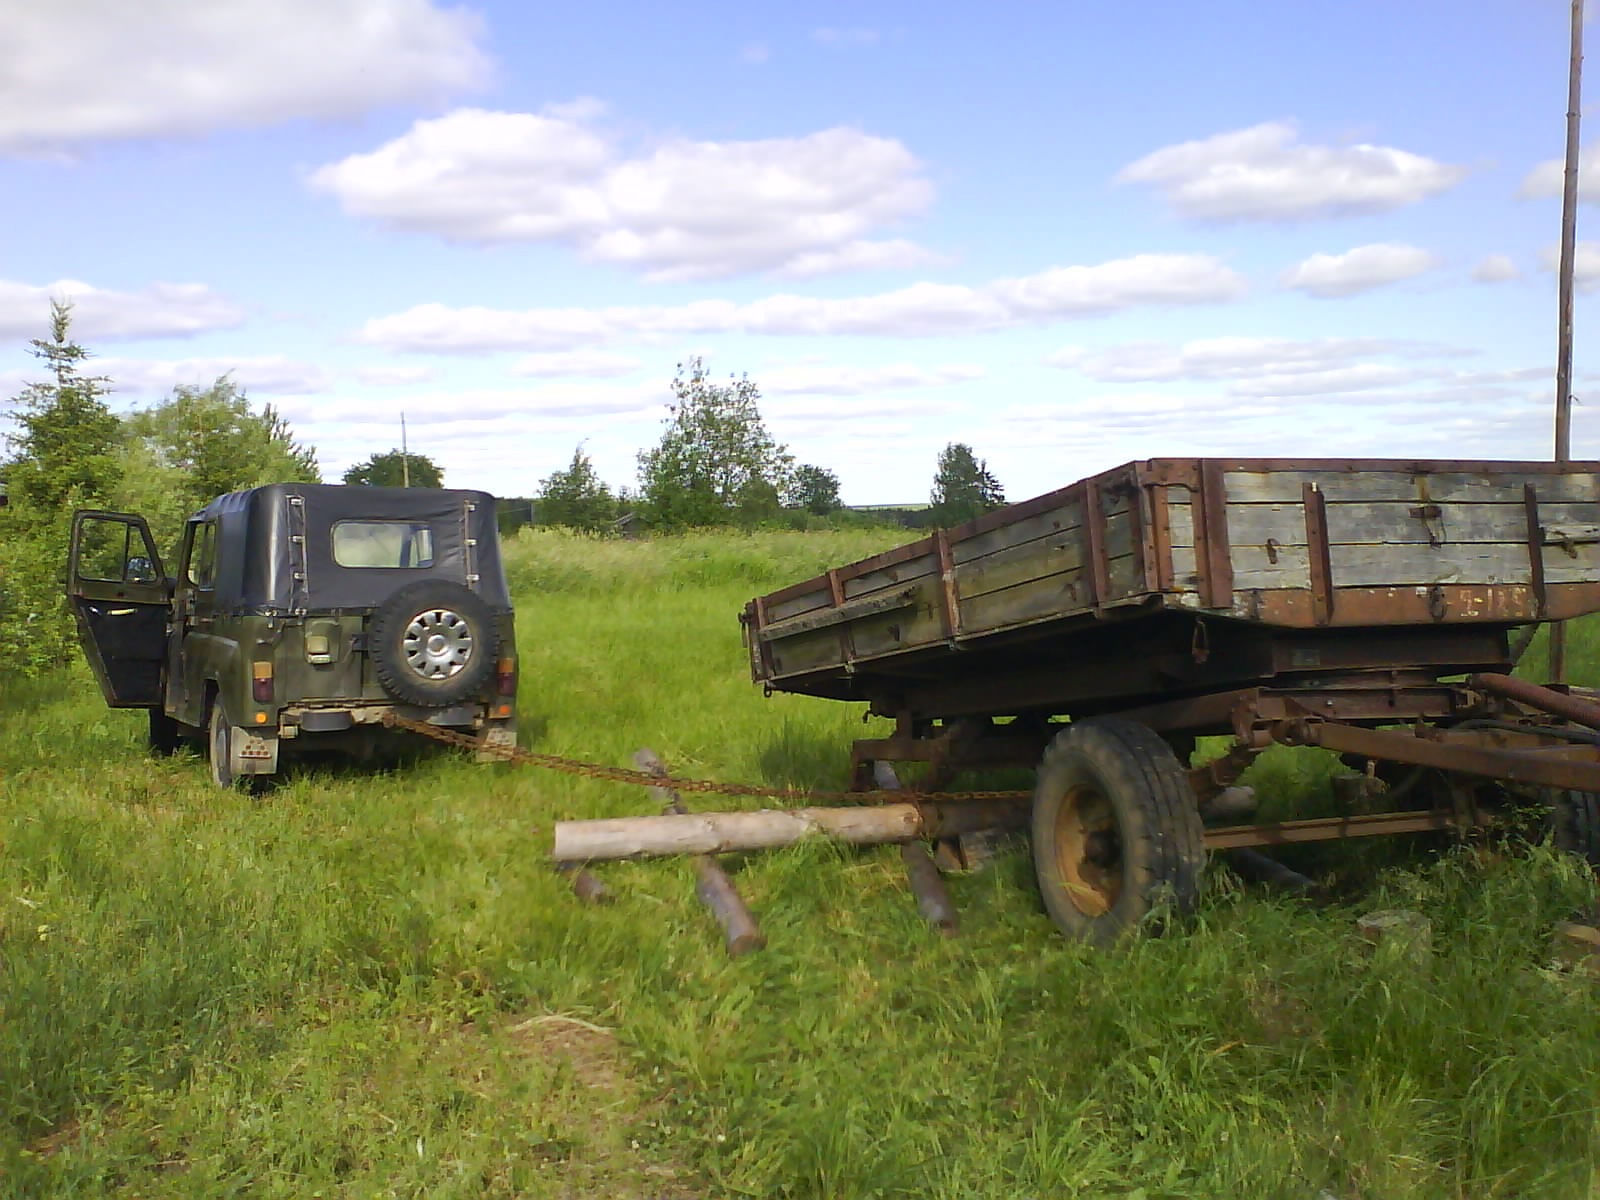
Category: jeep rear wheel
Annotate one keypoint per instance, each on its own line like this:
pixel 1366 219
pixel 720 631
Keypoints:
pixel 219 747
pixel 433 643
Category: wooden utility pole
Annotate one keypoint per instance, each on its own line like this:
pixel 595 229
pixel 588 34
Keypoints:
pixel 405 454
pixel 1569 231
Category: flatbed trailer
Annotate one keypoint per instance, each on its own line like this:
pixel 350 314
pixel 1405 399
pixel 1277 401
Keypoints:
pixel 1096 631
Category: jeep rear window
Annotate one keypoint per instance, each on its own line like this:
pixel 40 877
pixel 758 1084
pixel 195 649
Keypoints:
pixel 382 544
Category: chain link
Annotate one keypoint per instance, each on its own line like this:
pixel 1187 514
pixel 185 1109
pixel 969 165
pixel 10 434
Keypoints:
pixel 588 770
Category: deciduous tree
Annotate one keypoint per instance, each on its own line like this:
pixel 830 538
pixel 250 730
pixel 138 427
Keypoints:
pixel 394 468
pixel 715 462
pixel 963 486
pixel 576 497
pixel 814 489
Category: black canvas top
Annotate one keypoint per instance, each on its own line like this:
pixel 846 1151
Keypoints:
pixel 275 545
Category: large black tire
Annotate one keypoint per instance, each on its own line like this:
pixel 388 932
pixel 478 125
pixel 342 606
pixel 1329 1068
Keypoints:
pixel 433 643
pixel 219 747
pixel 1116 833
pixel 1575 823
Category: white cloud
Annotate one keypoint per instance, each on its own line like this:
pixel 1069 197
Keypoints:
pixel 1545 180
pixel 81 71
pixel 686 210
pixel 921 310
pixel 457 408
pixel 270 374
pixel 1585 264
pixel 1265 173
pixel 576 362
pixel 1360 377
pixel 1359 270
pixel 103 314
pixel 896 254
pixel 805 379
pixel 1231 357
pixel 393 376
pixel 1495 268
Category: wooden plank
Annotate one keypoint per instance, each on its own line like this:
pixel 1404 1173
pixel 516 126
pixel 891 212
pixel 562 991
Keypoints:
pixel 805 602
pixel 1211 539
pixel 1094 542
pixel 1496 487
pixel 1385 522
pixel 1534 532
pixel 1038 599
pixel 919 626
pixel 851 610
pixel 817 651
pixel 1319 553
pixel 1124 577
pixel 1007 568
pixel 1161 537
pixel 1057 520
pixel 949 605
pixel 907 571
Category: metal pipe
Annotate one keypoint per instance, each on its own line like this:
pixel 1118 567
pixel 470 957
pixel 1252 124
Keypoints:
pixel 1573 708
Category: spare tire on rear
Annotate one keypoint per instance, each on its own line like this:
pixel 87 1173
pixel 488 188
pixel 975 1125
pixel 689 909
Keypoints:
pixel 433 643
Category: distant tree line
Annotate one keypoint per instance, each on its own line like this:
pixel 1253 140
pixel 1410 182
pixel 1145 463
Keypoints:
pixel 715 464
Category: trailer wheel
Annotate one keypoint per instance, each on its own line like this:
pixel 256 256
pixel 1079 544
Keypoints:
pixel 1575 823
pixel 1116 833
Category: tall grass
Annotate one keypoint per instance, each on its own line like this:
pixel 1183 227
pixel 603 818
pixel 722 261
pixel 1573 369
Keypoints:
pixel 372 984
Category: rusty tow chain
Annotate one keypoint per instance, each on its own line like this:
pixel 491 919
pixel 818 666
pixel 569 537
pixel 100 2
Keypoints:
pixel 588 770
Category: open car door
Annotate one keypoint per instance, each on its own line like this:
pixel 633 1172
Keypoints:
pixel 122 602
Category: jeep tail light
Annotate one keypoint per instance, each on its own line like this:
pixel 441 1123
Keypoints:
pixel 261 682
pixel 505 676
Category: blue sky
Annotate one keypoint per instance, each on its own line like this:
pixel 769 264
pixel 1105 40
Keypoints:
pixel 1068 234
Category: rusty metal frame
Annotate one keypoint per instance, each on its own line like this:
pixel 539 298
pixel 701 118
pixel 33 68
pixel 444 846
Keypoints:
pixel 1573 767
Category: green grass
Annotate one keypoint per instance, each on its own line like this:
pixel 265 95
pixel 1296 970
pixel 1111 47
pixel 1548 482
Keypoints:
pixel 372 984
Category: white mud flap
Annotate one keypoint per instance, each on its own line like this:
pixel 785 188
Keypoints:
pixel 253 754
pixel 499 734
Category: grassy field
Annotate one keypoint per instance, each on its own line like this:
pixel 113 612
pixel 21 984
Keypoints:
pixel 373 985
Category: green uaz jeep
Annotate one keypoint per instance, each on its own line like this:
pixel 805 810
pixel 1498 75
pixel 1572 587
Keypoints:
pixel 301 614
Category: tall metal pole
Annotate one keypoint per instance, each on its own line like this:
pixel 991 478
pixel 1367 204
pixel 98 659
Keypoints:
pixel 1569 235
pixel 405 455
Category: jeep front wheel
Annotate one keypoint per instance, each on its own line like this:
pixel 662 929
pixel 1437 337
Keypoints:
pixel 433 643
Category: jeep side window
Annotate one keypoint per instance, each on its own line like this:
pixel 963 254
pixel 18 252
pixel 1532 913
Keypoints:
pixel 108 552
pixel 382 544
pixel 202 566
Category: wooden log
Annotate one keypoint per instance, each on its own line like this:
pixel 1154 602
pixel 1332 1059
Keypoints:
pixel 927 884
pixel 740 932
pixel 770 829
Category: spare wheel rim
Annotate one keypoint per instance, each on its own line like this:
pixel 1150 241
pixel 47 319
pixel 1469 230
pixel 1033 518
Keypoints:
pixel 437 643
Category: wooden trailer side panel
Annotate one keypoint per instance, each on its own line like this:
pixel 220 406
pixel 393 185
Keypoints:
pixel 1461 545
pixel 1286 543
pixel 1044 561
